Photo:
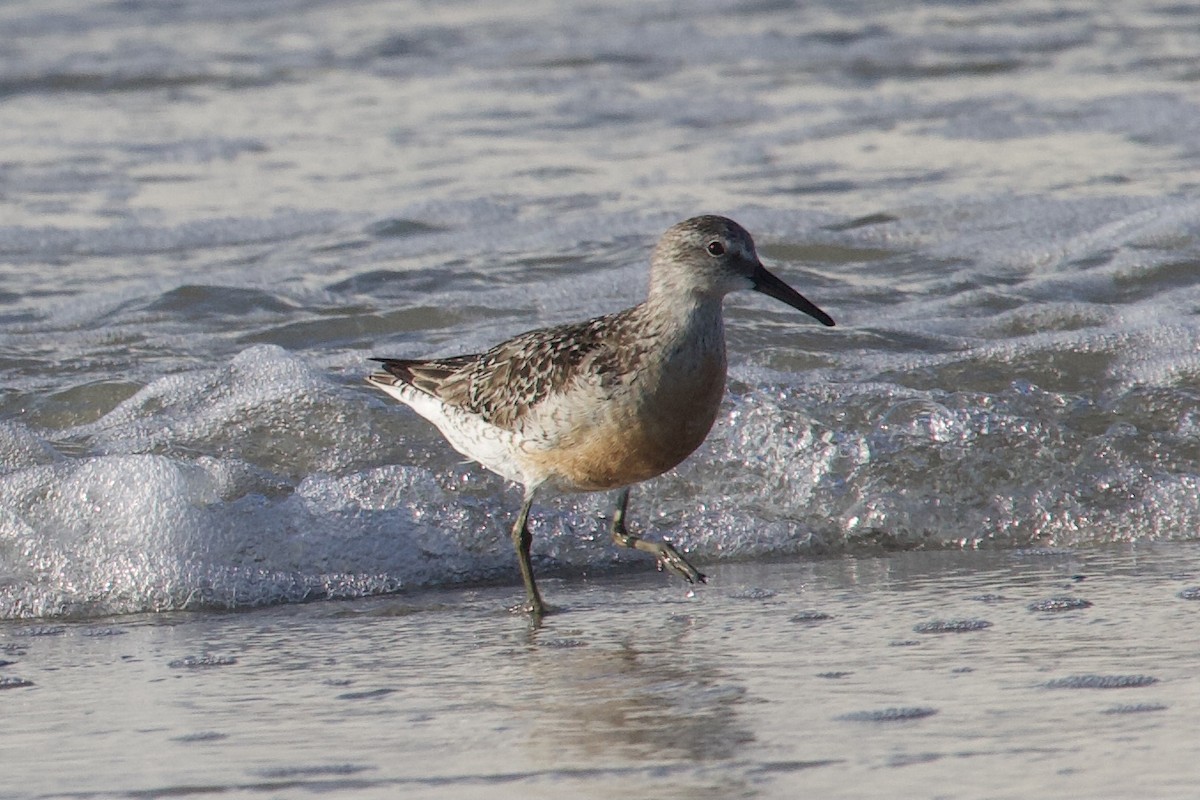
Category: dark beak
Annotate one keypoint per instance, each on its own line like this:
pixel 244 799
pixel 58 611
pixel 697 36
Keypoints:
pixel 772 286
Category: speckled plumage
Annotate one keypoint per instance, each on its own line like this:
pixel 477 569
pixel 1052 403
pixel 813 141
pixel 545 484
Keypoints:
pixel 505 383
pixel 605 403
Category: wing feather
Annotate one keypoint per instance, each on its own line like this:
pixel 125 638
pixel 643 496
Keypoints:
pixel 504 383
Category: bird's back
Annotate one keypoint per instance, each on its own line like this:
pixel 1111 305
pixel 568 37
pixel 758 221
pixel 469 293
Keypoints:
pixel 505 384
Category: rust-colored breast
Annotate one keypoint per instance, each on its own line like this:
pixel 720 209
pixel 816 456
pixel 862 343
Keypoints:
pixel 643 432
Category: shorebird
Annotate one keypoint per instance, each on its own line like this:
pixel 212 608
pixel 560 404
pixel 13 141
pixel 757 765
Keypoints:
pixel 602 404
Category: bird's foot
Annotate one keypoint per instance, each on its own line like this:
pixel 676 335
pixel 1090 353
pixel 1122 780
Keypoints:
pixel 535 609
pixel 670 560
pixel 667 558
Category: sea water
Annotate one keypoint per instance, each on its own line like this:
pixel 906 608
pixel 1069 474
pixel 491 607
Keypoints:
pixel 950 675
pixel 214 213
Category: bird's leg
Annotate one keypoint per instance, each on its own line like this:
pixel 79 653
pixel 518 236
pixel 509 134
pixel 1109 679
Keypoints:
pixel 522 539
pixel 668 557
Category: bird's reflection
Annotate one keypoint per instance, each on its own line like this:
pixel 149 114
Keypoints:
pixel 635 698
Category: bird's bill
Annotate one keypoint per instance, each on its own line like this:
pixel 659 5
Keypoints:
pixel 771 286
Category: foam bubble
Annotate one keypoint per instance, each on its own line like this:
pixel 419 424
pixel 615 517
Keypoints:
pixel 266 406
pixel 20 448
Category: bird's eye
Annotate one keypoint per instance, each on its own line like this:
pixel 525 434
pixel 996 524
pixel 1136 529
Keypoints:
pixel 716 249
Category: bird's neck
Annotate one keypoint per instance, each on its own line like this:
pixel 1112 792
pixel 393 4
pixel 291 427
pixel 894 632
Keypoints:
pixel 691 320
pixel 683 305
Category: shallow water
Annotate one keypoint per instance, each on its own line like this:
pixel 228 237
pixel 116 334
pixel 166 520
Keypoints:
pixel 910 675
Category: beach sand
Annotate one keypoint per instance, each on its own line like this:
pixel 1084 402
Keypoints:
pixel 944 674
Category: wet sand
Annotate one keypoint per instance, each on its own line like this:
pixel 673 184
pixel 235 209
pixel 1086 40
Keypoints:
pixel 959 675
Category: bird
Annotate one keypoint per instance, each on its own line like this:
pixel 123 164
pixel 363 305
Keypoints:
pixel 606 403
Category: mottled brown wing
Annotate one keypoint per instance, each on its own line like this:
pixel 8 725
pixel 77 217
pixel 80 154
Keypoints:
pixel 426 375
pixel 502 384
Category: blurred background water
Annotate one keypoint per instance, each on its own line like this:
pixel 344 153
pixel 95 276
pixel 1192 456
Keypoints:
pixel 952 541
pixel 214 212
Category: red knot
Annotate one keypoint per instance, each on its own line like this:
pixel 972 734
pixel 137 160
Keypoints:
pixel 602 404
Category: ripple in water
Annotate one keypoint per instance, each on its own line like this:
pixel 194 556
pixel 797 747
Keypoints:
pixel 41 630
pixel 753 594
pixel 202 662
pixel 1135 708
pixel 1057 604
pixel 104 632
pixel 889 714
pixel 201 736
pixel 563 643
pixel 1101 682
pixel 283 773
pixel 951 626
pixel 366 694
